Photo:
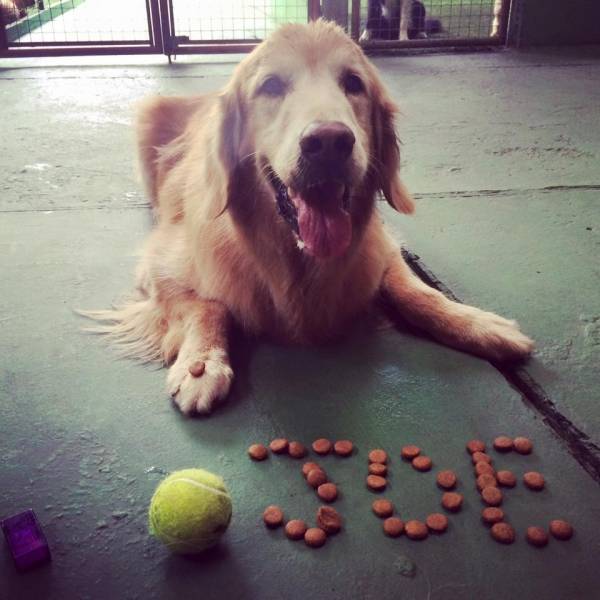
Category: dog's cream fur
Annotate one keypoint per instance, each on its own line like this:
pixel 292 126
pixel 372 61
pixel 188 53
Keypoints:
pixel 221 254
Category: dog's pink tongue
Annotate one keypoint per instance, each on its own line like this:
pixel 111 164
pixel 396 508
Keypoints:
pixel 325 227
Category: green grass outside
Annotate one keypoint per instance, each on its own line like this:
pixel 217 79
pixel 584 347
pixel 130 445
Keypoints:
pixel 36 18
pixel 288 11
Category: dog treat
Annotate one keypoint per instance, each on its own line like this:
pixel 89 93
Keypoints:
pixel 561 530
pixel 452 501
pixel 296 450
pixel 295 529
pixel 491 496
pixel 378 456
pixel 491 515
pixel 197 369
pixel 480 457
pixel 483 467
pixel 273 516
pixel 376 483
pixel 536 536
pixel 316 477
pixel 383 508
pixel 475 446
pixel 308 467
pixel 329 520
pixel 486 480
pixel 416 530
pixel 393 526
pixel 377 469
pixel 522 445
pixel 322 446
pixel 503 533
pixel 258 452
pixel 410 452
pixel 327 492
pixel 437 522
pixel 446 479
pixel 503 444
pixel 506 478
pixel 534 480
pixel 315 537
pixel 343 447
pixel 279 446
pixel 422 463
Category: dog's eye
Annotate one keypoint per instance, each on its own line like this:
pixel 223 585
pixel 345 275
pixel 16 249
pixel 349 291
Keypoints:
pixel 352 84
pixel 272 86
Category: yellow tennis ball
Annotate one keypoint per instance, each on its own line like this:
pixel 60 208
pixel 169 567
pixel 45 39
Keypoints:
pixel 190 511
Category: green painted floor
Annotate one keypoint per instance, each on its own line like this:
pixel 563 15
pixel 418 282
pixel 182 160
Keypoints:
pixel 85 438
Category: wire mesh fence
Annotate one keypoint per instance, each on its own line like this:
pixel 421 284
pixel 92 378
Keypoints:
pixel 401 20
pixel 220 20
pixel 430 19
pixel 203 22
pixel 76 21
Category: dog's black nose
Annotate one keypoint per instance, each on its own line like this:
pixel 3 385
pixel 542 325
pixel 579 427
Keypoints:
pixel 327 141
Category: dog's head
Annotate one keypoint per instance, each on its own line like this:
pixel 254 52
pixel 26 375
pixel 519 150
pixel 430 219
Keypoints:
pixel 309 114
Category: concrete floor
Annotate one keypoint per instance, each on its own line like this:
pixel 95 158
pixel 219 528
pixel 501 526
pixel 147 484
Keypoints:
pixel 502 152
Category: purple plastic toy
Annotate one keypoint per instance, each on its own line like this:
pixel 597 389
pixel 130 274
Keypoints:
pixel 26 540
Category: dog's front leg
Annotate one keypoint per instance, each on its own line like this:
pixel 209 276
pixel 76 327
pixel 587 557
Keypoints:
pixel 201 375
pixel 458 325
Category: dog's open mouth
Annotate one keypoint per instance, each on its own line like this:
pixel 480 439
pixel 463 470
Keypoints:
pixel 318 215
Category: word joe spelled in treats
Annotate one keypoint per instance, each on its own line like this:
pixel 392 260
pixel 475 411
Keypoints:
pixel 488 480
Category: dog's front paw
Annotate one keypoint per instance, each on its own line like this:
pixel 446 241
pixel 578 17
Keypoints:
pixel 498 338
pixel 196 382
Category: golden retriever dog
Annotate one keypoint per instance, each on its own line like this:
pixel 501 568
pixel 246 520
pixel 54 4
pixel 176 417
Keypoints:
pixel 264 198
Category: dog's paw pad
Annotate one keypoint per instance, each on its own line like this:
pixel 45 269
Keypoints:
pixel 196 385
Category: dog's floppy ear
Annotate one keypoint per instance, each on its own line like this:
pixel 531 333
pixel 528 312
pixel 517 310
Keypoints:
pixel 234 145
pixel 386 149
pixel 232 128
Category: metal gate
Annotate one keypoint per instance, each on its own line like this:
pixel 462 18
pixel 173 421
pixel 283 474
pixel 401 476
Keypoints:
pixel 79 27
pixel 232 25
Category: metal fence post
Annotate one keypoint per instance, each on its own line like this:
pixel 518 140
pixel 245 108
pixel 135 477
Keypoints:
pixel 3 40
pixel 513 22
pixel 166 15
pixel 314 10
pixel 355 20
pixel 154 29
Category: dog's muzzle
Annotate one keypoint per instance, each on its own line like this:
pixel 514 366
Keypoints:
pixel 315 202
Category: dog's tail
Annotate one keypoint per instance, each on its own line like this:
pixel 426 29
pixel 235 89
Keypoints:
pixel 136 329
pixel 433 26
